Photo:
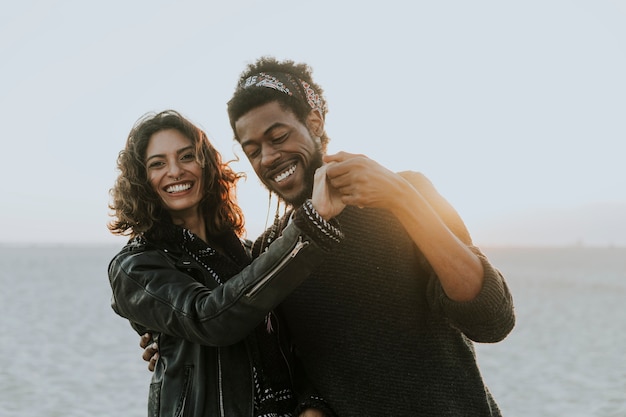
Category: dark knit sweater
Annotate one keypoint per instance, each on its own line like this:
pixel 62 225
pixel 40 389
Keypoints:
pixel 377 335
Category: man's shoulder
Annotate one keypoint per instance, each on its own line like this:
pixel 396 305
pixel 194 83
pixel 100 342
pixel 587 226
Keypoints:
pixel 417 179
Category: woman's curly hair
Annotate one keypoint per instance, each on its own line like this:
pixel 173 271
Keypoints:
pixel 137 207
pixel 244 100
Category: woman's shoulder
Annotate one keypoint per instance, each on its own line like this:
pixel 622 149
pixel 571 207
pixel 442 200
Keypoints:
pixel 141 251
pixel 135 245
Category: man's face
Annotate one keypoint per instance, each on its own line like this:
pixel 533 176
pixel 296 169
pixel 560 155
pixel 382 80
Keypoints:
pixel 281 150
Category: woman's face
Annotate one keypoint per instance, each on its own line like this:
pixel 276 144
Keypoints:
pixel 174 173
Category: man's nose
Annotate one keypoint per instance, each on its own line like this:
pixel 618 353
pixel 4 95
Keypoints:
pixel 269 156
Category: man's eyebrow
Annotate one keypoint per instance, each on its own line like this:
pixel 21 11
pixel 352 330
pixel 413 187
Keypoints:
pixel 267 131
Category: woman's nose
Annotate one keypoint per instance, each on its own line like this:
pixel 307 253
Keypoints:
pixel 175 170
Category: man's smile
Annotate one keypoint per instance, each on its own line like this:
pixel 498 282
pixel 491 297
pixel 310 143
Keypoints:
pixel 285 174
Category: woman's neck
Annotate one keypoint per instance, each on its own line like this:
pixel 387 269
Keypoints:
pixel 194 223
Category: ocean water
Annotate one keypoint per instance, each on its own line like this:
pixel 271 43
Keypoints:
pixel 63 352
pixel 567 353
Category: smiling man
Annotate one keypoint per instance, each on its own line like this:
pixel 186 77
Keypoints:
pixel 385 327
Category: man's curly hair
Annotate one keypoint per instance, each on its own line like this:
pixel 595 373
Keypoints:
pixel 136 206
pixel 244 100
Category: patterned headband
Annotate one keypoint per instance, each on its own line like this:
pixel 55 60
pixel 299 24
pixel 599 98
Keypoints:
pixel 289 84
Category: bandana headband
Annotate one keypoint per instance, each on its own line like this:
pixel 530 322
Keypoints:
pixel 288 84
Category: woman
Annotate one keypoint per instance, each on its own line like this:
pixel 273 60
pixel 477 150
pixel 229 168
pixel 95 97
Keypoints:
pixel 185 275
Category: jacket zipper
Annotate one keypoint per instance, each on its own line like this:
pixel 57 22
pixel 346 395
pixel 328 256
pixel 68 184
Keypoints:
pixel 186 388
pixel 219 382
pixel 282 352
pixel 299 246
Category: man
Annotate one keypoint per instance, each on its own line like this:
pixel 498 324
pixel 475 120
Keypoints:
pixel 385 326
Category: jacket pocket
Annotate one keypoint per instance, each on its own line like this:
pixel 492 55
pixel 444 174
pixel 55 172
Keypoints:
pixel 154 400
pixel 184 393
pixel 154 396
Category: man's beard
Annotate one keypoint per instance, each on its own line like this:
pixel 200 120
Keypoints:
pixel 309 177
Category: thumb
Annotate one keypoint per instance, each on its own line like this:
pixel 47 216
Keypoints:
pixel 338 157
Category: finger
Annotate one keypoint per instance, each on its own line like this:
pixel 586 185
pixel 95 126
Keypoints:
pixel 352 168
pixel 150 351
pixel 340 174
pixel 340 156
pixel 145 340
pixel 320 173
pixel 153 362
pixel 343 183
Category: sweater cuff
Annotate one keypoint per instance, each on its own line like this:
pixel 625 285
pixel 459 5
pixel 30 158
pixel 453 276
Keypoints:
pixel 490 316
pixel 488 301
pixel 325 233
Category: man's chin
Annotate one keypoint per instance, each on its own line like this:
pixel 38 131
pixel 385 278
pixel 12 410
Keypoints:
pixel 294 195
pixel 297 200
pixel 293 198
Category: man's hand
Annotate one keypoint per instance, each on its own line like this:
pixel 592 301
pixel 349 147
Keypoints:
pixel 363 182
pixel 150 350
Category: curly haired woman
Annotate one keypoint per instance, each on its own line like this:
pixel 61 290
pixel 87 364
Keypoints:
pixel 186 276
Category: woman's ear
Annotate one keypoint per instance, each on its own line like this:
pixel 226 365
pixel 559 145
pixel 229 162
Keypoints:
pixel 315 123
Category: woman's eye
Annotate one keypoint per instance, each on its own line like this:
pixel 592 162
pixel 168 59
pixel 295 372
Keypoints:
pixel 188 156
pixel 155 164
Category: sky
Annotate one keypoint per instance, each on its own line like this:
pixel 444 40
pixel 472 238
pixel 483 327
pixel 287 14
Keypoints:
pixel 514 110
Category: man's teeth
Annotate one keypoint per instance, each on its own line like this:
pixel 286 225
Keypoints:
pixel 285 174
pixel 178 188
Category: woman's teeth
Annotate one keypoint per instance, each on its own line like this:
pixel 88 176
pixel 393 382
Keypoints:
pixel 178 188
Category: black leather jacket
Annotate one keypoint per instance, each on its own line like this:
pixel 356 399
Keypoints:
pixel 205 367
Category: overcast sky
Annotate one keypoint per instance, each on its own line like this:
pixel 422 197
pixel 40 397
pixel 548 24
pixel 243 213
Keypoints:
pixel 514 110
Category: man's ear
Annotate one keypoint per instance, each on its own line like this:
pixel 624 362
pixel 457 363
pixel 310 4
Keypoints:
pixel 315 123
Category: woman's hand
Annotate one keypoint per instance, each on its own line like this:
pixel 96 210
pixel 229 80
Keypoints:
pixel 311 412
pixel 326 199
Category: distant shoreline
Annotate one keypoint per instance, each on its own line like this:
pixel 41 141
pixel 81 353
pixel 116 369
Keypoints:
pixel 96 245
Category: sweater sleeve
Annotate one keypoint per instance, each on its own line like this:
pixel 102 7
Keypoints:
pixel 490 316
pixel 442 207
